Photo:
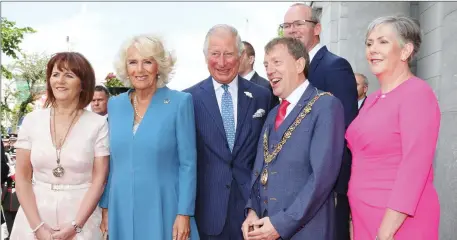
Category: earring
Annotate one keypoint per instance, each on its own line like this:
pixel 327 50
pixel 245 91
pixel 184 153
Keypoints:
pixel 158 76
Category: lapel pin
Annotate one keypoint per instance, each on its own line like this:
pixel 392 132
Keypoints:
pixel 166 101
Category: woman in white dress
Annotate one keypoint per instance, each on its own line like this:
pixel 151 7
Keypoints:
pixel 64 148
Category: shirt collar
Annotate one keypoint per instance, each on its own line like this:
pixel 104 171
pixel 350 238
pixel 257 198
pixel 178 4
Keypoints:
pixel 249 75
pixel 295 96
pixel 232 85
pixel 313 51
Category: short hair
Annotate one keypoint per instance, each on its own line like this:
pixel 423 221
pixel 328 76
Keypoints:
pixel 365 79
pixel 408 30
pixel 81 67
pixel 295 48
pixel 150 46
pixel 100 88
pixel 316 13
pixel 249 49
pixel 232 30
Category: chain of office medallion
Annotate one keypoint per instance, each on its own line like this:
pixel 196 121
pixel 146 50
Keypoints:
pixel 269 157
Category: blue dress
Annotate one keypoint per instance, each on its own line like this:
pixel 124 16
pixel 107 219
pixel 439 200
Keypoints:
pixel 152 174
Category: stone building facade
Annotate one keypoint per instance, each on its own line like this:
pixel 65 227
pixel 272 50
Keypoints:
pixel 344 27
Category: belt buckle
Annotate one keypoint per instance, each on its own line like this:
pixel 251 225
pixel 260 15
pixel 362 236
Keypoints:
pixel 56 187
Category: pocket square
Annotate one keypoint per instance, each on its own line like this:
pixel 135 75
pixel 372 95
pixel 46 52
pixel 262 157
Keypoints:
pixel 259 113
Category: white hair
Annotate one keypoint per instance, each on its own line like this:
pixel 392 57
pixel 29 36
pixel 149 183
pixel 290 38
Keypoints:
pixel 150 46
pixel 232 30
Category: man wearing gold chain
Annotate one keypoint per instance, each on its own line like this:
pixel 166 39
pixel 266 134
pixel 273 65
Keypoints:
pixel 299 153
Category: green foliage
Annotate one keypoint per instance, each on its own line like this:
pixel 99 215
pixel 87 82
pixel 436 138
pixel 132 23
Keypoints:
pixel 113 81
pixel 12 37
pixel 280 32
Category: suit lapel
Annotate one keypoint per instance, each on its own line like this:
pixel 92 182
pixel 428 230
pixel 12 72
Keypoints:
pixel 210 102
pixel 309 92
pixel 317 58
pixel 244 102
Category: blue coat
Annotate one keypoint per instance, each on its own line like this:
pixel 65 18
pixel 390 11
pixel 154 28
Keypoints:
pixel 152 174
pixel 298 196
pixel 218 168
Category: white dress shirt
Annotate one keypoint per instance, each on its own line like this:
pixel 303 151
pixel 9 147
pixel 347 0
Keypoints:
pixel 249 75
pixel 313 51
pixel 295 96
pixel 361 101
pixel 233 89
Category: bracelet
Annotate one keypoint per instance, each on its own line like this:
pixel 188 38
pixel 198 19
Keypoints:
pixel 38 227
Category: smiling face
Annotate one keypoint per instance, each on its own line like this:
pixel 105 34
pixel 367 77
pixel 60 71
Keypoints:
pixel 299 17
pixel 383 50
pixel 222 57
pixel 65 84
pixel 142 71
pixel 284 72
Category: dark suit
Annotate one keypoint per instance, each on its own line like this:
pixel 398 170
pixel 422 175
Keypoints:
pixel 298 197
pixel 257 79
pixel 223 176
pixel 331 73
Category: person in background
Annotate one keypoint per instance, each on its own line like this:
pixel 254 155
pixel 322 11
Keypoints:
pixel 362 88
pixel 65 149
pixel 99 103
pixel 393 141
pixel 152 181
pixel 247 71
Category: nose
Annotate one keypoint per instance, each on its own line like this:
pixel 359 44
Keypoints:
pixel 270 71
pixel 221 60
pixel 372 49
pixel 139 67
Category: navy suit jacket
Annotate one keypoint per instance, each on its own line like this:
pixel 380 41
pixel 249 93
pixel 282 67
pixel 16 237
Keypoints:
pixel 256 78
pixel 217 167
pixel 331 73
pixel 298 196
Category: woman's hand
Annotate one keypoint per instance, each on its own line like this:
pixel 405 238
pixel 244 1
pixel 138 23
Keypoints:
pixel 104 223
pixel 181 228
pixel 66 232
pixel 44 232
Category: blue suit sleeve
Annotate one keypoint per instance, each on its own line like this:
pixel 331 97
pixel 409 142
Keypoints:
pixel 340 81
pixel 187 152
pixel 326 150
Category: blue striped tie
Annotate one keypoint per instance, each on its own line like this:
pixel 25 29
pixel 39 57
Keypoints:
pixel 227 116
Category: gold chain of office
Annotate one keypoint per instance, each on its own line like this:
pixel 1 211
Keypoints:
pixel 269 157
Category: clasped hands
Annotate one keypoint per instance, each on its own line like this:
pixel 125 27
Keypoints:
pixel 64 232
pixel 258 229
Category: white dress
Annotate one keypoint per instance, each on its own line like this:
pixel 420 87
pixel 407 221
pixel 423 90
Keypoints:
pixel 87 139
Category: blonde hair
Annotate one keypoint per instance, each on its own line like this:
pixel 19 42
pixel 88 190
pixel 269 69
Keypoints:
pixel 150 46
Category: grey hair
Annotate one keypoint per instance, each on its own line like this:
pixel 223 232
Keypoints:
pixel 365 79
pixel 408 30
pixel 150 46
pixel 316 13
pixel 232 30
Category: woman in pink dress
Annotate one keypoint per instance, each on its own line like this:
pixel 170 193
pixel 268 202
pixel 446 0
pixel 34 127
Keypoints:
pixel 64 149
pixel 393 142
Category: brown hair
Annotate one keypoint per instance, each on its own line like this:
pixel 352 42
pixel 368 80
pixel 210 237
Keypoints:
pixel 249 49
pixel 80 66
pixel 295 48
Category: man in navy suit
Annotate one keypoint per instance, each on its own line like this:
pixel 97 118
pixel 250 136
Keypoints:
pixel 298 156
pixel 229 115
pixel 331 73
pixel 247 70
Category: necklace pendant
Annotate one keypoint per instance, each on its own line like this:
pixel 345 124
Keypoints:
pixel 59 171
pixel 264 177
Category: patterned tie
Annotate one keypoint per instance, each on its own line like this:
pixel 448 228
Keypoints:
pixel 281 113
pixel 227 116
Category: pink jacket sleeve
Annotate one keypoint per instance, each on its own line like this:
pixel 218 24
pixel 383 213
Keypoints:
pixel 419 121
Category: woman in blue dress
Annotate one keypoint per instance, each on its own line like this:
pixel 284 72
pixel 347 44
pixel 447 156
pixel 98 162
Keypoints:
pixel 151 186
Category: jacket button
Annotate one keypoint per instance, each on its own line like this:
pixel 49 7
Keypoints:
pixel 227 186
pixel 265 201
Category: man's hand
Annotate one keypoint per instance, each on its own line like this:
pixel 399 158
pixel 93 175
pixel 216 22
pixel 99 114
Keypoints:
pixel 248 224
pixel 266 232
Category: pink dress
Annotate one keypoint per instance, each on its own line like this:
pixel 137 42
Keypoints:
pixel 87 139
pixel 393 142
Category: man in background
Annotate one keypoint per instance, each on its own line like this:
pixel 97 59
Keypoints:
pixel 362 88
pixel 99 102
pixel 247 70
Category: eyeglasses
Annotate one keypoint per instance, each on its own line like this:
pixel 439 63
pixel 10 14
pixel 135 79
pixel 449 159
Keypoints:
pixel 296 24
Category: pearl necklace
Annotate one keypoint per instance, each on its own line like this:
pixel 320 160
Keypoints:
pixel 135 103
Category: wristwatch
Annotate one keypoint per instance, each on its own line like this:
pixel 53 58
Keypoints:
pixel 78 229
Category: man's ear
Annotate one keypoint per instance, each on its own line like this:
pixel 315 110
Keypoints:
pixel 300 65
pixel 251 60
pixel 317 29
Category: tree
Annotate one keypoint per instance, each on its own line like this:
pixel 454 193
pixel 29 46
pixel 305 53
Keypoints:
pixel 280 32
pixel 12 37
